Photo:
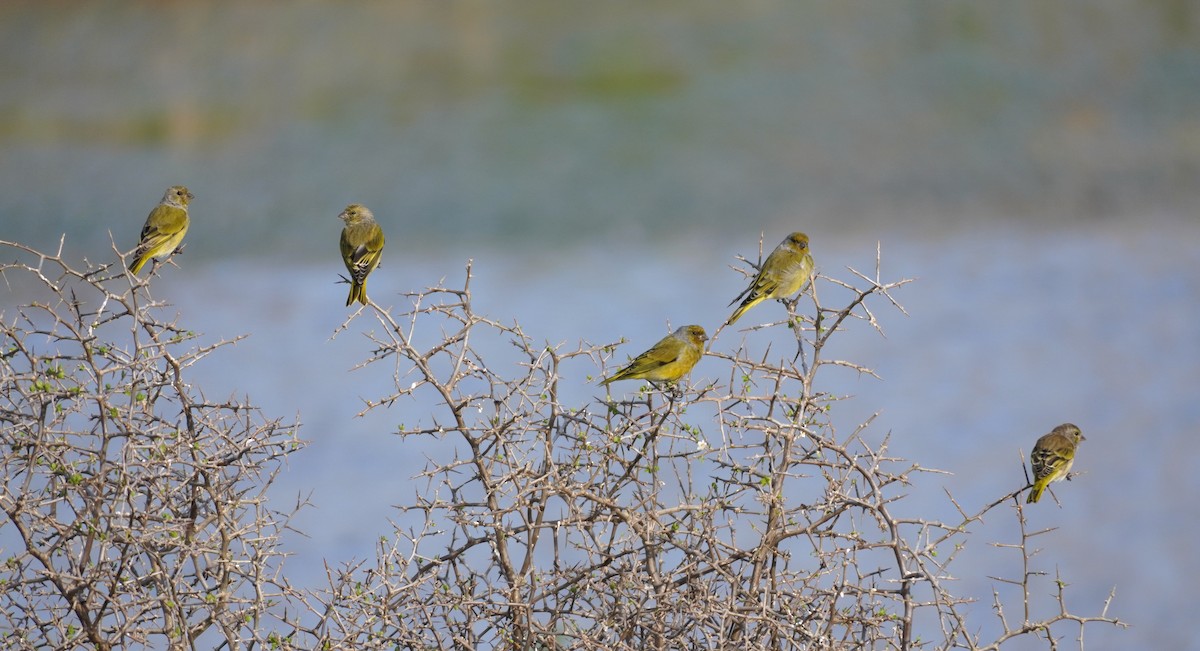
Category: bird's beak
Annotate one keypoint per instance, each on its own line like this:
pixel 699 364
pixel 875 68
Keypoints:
pixel 191 196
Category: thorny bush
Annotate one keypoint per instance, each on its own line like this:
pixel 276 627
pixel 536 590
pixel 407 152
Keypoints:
pixel 729 513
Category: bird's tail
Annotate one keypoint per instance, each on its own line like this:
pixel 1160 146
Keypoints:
pixel 358 292
pixel 138 263
pixel 1035 493
pixel 746 305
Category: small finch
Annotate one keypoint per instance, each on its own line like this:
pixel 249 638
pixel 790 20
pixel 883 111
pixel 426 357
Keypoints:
pixel 361 244
pixel 165 227
pixel 668 360
pixel 1052 457
pixel 783 273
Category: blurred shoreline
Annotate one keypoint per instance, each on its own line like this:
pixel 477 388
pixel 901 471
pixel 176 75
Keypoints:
pixel 537 126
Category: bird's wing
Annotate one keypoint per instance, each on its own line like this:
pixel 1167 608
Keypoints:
pixel 1050 456
pixel 163 220
pixel 375 243
pixel 350 252
pixel 664 352
pixel 367 251
pixel 765 285
pixel 758 287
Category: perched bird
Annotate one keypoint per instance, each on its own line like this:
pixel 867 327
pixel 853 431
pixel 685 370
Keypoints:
pixel 1052 457
pixel 668 360
pixel 361 244
pixel 164 229
pixel 783 273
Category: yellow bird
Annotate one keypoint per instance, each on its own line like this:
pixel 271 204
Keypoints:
pixel 668 360
pixel 361 245
pixel 165 227
pixel 1052 457
pixel 783 273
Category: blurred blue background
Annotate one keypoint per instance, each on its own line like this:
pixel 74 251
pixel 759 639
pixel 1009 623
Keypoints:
pixel 1033 165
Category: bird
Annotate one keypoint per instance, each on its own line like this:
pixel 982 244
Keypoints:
pixel 784 273
pixel 1052 457
pixel 361 245
pixel 668 360
pixel 164 229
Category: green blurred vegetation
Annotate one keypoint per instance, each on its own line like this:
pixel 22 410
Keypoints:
pixel 542 121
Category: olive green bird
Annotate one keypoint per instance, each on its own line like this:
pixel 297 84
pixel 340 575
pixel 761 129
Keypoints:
pixel 783 273
pixel 361 244
pixel 1052 457
pixel 165 227
pixel 668 360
